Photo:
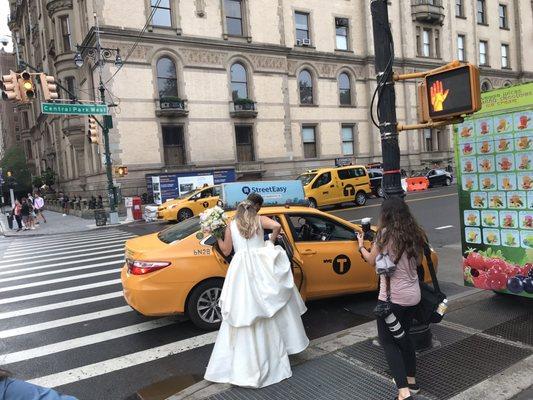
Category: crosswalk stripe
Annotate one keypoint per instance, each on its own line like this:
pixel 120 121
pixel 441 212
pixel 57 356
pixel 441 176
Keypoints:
pixel 58 258
pixel 126 361
pixel 65 239
pixel 57 306
pixel 70 344
pixel 23 330
pixel 34 249
pixel 55 253
pixel 58 280
pixel 86 260
pixel 60 271
pixel 59 291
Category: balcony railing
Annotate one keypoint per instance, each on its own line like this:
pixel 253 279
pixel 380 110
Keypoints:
pixel 243 108
pixel 430 11
pixel 171 107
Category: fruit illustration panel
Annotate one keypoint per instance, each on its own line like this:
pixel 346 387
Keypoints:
pixel 530 201
pixel 473 235
pixel 469 182
pixel 488 181
pixel 485 147
pixel 524 142
pixel 526 239
pixel 465 131
pixel 486 164
pixel 516 200
pixel 479 200
pixel 505 162
pixel 526 219
pixel 491 236
pixel 503 123
pixel 525 180
pixel 507 181
pixel 484 127
pixel 468 148
pixel 523 120
pixel 510 237
pixel 489 218
pixel 509 219
pixel 504 143
pixel 497 200
pixel 471 217
pixel 524 161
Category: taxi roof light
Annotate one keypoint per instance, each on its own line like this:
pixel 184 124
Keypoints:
pixel 145 267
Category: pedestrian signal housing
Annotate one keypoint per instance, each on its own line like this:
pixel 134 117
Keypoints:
pixel 450 93
pixel 27 88
pixel 92 132
pixel 10 87
pixel 48 87
pixel 121 171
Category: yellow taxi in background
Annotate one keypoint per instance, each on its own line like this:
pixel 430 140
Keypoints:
pixel 189 205
pixel 177 272
pixel 328 186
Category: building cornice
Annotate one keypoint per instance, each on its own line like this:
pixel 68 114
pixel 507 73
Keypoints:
pixel 53 6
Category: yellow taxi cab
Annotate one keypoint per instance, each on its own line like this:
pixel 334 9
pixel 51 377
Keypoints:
pixel 189 205
pixel 328 186
pixel 175 271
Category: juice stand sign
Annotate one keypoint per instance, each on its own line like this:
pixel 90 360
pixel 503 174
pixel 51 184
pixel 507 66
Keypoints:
pixel 494 162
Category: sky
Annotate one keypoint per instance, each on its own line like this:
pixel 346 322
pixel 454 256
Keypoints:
pixel 4 30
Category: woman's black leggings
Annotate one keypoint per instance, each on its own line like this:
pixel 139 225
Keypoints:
pixel 18 218
pixel 400 354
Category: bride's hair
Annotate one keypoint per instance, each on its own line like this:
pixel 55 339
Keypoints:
pixel 246 219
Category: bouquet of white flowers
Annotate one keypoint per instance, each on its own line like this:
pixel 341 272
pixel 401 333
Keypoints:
pixel 213 221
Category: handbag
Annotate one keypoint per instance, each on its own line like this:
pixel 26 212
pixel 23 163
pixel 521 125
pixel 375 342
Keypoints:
pixel 430 297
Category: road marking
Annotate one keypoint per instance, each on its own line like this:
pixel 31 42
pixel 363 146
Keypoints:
pixel 76 256
pixel 62 304
pixel 355 220
pixel 59 291
pixel 23 330
pixel 41 255
pixel 379 205
pixel 58 280
pixel 126 361
pixel 61 246
pixel 4 271
pixel 60 271
pixel 444 227
pixel 73 239
pixel 70 344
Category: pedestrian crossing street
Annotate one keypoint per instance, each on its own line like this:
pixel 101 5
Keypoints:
pixel 65 324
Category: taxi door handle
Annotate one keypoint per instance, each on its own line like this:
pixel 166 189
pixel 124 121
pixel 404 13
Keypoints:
pixel 331 186
pixel 308 252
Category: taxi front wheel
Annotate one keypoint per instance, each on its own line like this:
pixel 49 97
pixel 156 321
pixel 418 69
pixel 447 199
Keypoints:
pixel 360 198
pixel 184 214
pixel 202 305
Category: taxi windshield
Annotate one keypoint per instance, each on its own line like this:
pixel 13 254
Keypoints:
pixel 180 230
pixel 306 178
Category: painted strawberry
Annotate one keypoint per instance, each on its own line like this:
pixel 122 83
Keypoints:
pixel 497 281
pixel 475 260
pixel 481 280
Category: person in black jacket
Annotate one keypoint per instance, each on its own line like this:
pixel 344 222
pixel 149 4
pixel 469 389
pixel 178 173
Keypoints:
pixel 25 212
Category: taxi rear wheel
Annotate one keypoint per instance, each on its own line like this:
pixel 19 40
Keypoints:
pixel 202 305
pixel 360 198
pixel 184 214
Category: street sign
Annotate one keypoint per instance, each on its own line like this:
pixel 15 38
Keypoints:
pixel 74 109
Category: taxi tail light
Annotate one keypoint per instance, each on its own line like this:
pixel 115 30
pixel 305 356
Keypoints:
pixel 145 267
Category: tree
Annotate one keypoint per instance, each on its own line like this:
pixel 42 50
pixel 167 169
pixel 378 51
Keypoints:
pixel 37 181
pixel 15 161
pixel 49 177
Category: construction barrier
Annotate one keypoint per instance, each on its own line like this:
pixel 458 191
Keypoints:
pixel 417 184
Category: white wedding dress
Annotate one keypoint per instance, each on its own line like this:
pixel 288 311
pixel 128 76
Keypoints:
pixel 261 316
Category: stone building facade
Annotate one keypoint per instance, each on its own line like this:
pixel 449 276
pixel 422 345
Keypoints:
pixel 269 87
pixel 10 125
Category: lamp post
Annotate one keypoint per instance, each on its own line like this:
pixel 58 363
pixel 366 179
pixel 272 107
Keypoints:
pixel 100 55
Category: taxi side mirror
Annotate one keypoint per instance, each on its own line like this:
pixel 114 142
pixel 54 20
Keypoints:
pixel 211 241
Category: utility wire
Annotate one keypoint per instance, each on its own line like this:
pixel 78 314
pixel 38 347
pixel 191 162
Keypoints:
pixel 148 21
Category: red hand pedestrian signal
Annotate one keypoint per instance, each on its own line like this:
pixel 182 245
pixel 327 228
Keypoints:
pixel 438 96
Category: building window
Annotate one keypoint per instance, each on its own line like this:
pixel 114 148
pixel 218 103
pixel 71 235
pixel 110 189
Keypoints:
pixel 485 86
pixel 302 27
pixel 437 43
pixel 64 25
pixel 345 91
pixel 162 15
pixel 25 120
pixel 418 42
pixel 167 82
pixel 309 140
pixel 347 140
pixel 245 143
pixel 173 145
pixel 505 56
pixel 428 139
pixel 459 8
pixel 461 48
pixel 233 11
pixel 341 33
pixel 426 43
pixel 305 85
pixel 71 87
pixel 29 152
pixel 483 56
pixel 239 82
pixel 503 16
pixel 481 12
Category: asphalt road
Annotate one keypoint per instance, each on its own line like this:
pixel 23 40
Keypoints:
pixel 64 323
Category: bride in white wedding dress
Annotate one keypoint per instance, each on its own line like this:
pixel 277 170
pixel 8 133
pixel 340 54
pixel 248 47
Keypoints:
pixel 260 305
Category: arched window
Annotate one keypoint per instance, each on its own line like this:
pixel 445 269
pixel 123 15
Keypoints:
pixel 345 91
pixel 167 82
pixel 485 86
pixel 305 86
pixel 239 82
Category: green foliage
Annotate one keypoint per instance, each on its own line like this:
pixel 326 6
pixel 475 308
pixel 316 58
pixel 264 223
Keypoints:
pixel 15 161
pixel 241 101
pixel 37 181
pixel 49 177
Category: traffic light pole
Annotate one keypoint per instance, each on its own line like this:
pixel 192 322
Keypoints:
pixel 383 49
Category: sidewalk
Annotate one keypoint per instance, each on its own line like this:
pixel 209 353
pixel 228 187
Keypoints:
pixel 56 223
pixel 483 350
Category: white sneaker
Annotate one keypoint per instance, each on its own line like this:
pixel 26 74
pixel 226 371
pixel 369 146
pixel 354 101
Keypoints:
pixel 64 215
pixel 32 228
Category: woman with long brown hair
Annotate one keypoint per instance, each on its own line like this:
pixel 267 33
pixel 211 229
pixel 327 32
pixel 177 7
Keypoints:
pixel 260 305
pixel 397 250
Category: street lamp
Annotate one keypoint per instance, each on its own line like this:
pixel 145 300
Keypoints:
pixel 100 55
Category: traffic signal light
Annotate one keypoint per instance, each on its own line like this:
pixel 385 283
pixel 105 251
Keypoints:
pixel 27 89
pixel 121 171
pixel 48 87
pixel 92 133
pixel 10 87
pixel 449 93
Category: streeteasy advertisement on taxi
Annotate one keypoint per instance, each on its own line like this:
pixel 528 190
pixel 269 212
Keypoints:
pixel 273 193
pixel 494 162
